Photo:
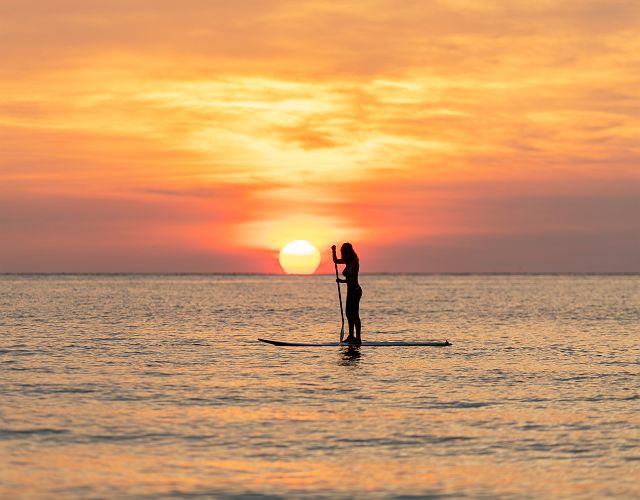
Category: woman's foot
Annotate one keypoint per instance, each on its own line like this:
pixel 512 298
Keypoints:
pixel 349 340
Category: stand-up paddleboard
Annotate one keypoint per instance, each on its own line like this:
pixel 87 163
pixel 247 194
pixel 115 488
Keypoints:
pixel 365 343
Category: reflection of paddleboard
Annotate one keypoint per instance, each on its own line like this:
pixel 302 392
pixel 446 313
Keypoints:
pixel 365 343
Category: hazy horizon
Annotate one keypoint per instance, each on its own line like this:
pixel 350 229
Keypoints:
pixel 282 274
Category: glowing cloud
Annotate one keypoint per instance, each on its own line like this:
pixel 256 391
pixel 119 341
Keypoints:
pixel 205 136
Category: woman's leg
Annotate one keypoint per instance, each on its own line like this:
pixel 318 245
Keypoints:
pixel 356 317
pixel 350 313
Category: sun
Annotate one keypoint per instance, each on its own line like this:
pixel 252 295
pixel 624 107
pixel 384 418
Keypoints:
pixel 299 257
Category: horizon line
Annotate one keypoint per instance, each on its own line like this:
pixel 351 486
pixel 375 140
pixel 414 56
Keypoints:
pixel 381 273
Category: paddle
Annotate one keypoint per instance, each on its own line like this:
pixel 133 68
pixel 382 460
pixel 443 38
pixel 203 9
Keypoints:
pixel 340 299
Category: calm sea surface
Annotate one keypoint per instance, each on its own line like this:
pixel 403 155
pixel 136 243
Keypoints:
pixel 155 386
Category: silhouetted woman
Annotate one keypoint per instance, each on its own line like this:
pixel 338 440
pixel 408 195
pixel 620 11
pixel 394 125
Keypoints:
pixel 352 265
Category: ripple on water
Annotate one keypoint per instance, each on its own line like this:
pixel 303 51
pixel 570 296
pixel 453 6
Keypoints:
pixel 154 386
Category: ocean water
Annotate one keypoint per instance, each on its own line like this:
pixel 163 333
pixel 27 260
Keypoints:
pixel 135 386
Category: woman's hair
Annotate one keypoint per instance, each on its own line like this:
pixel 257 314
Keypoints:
pixel 348 253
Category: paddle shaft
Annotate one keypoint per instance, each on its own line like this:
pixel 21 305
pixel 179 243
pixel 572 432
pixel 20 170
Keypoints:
pixel 340 299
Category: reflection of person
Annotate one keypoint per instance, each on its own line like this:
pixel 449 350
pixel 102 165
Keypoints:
pixel 352 265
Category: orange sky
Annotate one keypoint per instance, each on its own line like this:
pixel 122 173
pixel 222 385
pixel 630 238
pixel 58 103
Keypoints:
pixel 448 135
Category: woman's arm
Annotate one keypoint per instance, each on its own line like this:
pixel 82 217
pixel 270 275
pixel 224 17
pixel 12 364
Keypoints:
pixel 336 260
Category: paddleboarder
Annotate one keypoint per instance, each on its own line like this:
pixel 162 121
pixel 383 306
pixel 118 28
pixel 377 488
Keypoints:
pixel 349 258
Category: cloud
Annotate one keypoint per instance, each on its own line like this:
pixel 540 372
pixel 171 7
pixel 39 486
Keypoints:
pixel 390 121
pixel 126 232
pixel 314 37
pixel 559 252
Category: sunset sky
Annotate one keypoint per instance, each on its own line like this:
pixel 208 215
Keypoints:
pixel 435 135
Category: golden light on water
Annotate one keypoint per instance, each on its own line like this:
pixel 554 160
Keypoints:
pixel 299 257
